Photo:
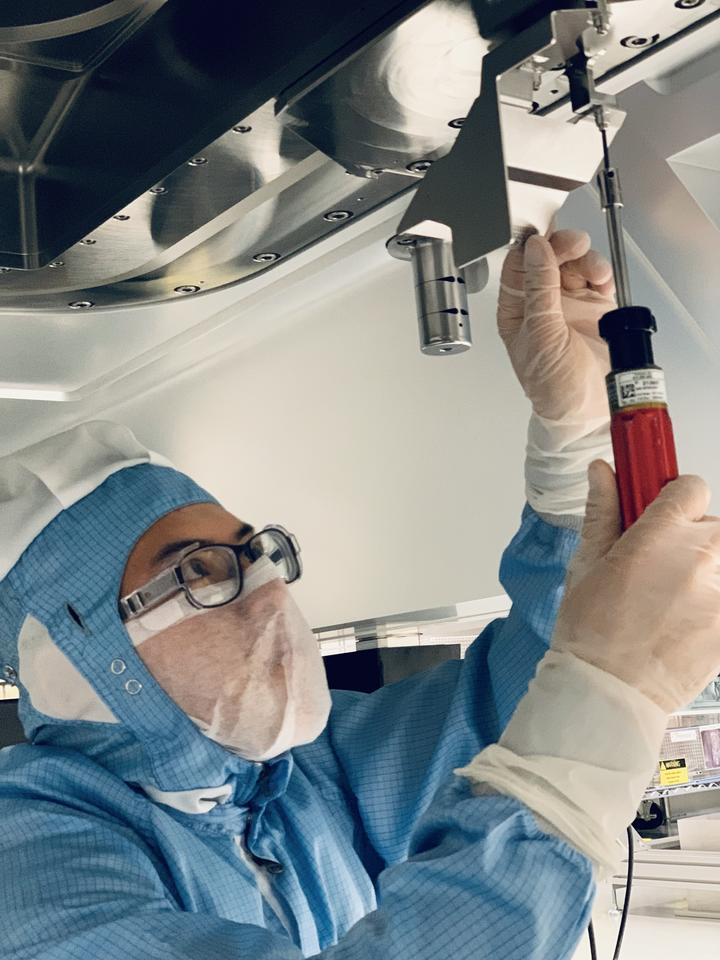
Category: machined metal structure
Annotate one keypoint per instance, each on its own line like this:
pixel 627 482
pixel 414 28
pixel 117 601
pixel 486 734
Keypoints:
pixel 440 292
pixel 155 150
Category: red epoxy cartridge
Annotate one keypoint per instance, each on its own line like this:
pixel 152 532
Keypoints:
pixel 641 429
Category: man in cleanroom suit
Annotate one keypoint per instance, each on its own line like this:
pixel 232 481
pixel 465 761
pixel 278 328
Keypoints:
pixel 191 792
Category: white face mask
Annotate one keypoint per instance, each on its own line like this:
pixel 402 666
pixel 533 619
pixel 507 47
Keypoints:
pixel 249 674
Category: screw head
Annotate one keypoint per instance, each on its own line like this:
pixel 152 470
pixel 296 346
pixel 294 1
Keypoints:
pixel 266 257
pixel 197 161
pixel 56 263
pixel 81 304
pixel 406 241
pixel 688 4
pixel 241 128
pixel 88 242
pixel 158 190
pixel 336 215
pixel 4 269
pixel 457 123
pixel 639 43
pixel 121 216
pixel 187 288
pixel 419 166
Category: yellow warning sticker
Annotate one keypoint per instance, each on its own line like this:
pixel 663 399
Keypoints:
pixel 673 772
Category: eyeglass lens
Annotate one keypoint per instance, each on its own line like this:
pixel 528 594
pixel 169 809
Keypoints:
pixel 211 574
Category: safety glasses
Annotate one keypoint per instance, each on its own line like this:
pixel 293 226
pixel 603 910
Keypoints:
pixel 212 575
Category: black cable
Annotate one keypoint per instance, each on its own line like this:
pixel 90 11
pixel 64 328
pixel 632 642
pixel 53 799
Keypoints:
pixel 591 937
pixel 628 891
pixel 626 905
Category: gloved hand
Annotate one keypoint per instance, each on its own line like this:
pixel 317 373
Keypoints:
pixel 646 607
pixel 638 635
pixel 552 295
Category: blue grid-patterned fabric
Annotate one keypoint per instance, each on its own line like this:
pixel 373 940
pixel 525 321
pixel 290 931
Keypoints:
pixel 364 843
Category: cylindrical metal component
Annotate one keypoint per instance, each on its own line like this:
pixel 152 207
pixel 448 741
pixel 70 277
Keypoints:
pixel 612 203
pixel 441 298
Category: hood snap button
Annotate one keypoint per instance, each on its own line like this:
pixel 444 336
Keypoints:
pixel 118 666
pixel 133 687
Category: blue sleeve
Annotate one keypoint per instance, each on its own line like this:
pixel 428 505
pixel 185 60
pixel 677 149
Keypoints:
pixel 482 882
pixel 399 745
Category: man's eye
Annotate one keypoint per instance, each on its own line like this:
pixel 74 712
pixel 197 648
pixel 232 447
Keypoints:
pixel 199 568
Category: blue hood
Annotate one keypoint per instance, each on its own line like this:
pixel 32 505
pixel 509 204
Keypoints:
pixel 77 563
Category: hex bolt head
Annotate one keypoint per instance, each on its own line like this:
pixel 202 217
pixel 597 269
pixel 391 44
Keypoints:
pixel 639 43
pixel 419 166
pixel 334 216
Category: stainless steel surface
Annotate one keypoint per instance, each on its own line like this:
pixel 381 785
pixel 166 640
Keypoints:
pixel 34 20
pixel 94 117
pixel 492 176
pixel 440 299
pixel 440 294
pixel 611 201
pixel 159 222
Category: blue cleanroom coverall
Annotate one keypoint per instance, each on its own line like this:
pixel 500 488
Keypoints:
pixel 361 845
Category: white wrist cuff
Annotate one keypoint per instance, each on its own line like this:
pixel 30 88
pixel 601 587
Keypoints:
pixel 556 463
pixel 579 751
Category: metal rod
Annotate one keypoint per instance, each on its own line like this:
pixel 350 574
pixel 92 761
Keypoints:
pixel 612 203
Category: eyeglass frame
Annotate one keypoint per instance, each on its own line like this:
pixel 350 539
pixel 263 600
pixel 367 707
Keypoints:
pixel 170 581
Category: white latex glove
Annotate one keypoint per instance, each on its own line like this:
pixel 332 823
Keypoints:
pixel 638 636
pixel 646 607
pixel 552 295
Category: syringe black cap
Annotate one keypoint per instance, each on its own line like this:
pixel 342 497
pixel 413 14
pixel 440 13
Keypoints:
pixel 627 332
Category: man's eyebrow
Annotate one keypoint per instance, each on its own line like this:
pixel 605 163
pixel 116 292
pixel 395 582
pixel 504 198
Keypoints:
pixel 177 546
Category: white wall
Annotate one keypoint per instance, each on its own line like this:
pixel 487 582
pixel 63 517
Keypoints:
pixel 400 473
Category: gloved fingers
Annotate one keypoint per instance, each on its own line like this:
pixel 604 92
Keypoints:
pixel 511 299
pixel 545 323
pixel 684 500
pixel 602 527
pixel 569 245
pixel 591 270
